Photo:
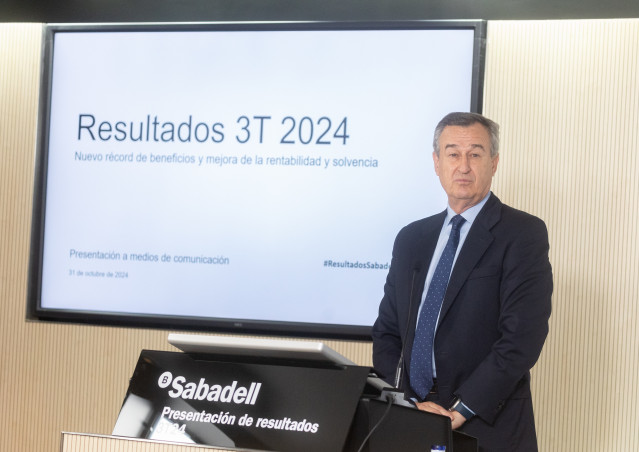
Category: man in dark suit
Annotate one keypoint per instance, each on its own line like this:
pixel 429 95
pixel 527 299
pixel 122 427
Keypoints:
pixel 463 347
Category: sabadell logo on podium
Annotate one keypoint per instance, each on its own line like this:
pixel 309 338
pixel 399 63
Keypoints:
pixel 181 388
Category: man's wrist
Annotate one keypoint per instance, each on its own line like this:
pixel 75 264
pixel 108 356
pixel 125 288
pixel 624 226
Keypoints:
pixel 462 409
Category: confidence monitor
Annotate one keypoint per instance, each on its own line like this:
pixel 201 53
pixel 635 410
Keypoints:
pixel 259 349
pixel 237 177
pixel 270 351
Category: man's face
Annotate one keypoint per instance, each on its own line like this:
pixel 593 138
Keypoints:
pixel 464 166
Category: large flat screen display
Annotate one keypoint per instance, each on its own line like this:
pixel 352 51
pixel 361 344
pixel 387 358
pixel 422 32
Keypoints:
pixel 246 177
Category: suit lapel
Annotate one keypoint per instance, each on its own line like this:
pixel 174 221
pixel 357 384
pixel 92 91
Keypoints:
pixel 477 242
pixel 422 254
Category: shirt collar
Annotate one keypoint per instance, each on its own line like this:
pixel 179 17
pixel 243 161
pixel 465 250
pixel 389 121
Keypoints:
pixel 469 214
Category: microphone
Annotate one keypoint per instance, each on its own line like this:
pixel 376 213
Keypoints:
pixel 400 364
pixel 395 394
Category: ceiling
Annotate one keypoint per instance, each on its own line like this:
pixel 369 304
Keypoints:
pixel 287 10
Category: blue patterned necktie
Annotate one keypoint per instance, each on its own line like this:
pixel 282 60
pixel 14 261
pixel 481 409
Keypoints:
pixel 421 363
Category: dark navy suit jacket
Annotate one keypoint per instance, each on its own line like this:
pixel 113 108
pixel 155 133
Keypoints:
pixel 493 320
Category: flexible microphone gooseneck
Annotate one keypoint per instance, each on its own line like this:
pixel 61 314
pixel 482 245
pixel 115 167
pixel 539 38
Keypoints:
pixel 400 364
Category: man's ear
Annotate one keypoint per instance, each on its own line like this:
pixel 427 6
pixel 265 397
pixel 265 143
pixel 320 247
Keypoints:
pixel 436 163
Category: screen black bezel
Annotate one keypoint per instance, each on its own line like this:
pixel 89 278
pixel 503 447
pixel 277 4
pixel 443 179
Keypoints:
pixel 188 323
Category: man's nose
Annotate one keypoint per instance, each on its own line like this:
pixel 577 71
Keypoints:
pixel 464 164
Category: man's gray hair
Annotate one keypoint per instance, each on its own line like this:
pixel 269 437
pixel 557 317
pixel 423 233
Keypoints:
pixel 466 120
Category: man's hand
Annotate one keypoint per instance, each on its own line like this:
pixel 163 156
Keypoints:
pixel 456 419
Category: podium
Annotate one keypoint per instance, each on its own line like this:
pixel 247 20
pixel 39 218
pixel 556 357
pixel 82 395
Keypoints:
pixel 273 399
pixel 403 428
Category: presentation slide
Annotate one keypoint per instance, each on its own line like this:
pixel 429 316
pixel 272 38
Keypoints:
pixel 259 175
